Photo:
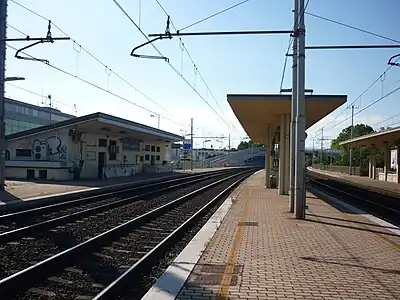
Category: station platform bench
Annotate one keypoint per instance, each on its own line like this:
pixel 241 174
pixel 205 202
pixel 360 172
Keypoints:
pixel 260 251
pixel 374 185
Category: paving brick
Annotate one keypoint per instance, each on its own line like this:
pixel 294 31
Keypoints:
pixel 330 255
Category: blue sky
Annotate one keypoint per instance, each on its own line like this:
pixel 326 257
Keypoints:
pixel 229 64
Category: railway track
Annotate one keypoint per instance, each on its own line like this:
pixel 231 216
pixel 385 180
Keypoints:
pixel 89 255
pixel 382 206
pixel 60 212
pixel 28 245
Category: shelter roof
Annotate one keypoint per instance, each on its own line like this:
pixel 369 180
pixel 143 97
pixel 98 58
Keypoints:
pixel 392 136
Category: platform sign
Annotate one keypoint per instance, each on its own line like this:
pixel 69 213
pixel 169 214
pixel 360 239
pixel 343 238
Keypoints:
pixel 187 146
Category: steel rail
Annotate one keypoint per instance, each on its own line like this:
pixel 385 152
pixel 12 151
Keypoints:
pixel 113 289
pixel 24 279
pixel 342 195
pixel 86 200
pixel 34 228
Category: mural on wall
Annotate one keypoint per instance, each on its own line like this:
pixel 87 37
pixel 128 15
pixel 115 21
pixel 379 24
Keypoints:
pixel 50 148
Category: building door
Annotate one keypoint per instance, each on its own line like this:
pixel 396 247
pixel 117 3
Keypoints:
pixel 101 163
pixel 152 160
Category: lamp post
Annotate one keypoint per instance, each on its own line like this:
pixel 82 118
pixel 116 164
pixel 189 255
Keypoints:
pixel 158 119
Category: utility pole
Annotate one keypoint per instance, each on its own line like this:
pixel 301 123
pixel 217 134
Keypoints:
pixel 300 192
pixel 322 148
pixel 3 22
pixel 191 144
pixel 229 149
pixel 351 136
pixel 293 113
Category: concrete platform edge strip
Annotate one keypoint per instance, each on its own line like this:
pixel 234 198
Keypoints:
pixel 168 286
pixel 389 226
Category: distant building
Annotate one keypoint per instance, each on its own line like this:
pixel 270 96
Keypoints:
pixel 21 116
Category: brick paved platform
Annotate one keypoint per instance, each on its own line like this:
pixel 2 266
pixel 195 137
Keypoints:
pixel 261 252
pixel 375 185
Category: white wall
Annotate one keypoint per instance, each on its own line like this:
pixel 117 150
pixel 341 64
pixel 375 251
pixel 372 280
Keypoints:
pixel 60 148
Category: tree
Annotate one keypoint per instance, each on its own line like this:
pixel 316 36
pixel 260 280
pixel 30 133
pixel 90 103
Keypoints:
pixel 246 145
pixel 360 155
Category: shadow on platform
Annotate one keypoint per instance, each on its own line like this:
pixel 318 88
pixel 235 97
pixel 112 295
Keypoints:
pixel 351 221
pixel 334 261
pixel 355 228
pixel 6 197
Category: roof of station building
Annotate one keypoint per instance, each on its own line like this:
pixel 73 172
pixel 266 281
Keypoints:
pixel 391 136
pixel 104 124
pixel 256 112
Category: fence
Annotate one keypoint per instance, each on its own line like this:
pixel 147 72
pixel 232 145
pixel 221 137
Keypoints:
pixel 339 169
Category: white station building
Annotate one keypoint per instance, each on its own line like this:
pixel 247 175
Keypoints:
pixel 92 146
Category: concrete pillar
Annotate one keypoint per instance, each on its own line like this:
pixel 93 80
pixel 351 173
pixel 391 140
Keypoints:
pixel 373 161
pixel 386 160
pixel 267 158
pixel 287 156
pixel 282 150
pixel 398 163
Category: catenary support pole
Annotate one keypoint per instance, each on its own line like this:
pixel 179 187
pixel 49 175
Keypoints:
pixel 293 114
pixel 3 22
pixel 351 136
pixel 300 120
pixel 191 144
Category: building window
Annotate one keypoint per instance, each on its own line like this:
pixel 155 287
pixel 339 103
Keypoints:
pixel 158 149
pixel 147 148
pixel 141 158
pixel 147 157
pixel 153 148
pixel 113 150
pixel 102 143
pixel 158 157
pixel 23 152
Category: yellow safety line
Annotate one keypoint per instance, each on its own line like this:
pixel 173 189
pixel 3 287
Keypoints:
pixel 227 277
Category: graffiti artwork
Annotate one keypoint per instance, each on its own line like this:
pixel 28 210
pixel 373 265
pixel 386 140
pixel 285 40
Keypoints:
pixel 49 149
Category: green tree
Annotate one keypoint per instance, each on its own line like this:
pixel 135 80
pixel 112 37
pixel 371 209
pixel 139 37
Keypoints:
pixel 360 155
pixel 246 145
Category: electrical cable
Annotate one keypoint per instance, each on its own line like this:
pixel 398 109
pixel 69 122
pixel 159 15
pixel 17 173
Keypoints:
pixel 169 64
pixel 100 88
pixel 366 107
pixel 387 119
pixel 91 55
pixel 359 97
pixel 213 15
pixel 352 27
pixel 183 46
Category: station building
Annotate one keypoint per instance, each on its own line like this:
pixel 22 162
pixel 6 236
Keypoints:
pixel 89 147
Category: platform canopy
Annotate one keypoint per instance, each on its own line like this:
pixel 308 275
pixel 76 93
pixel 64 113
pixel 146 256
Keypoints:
pixel 256 111
pixel 101 123
pixel 391 136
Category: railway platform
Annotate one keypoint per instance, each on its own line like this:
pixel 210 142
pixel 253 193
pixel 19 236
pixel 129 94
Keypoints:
pixel 253 248
pixel 374 185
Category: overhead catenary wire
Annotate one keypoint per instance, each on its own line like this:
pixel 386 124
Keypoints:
pixel 90 54
pixel 359 97
pixel 183 46
pixel 101 88
pixel 213 15
pixel 352 27
pixel 169 64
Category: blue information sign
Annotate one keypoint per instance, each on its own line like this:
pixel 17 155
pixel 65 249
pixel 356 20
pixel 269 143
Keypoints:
pixel 187 146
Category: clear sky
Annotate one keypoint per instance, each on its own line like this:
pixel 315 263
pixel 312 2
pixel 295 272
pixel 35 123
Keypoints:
pixel 229 64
